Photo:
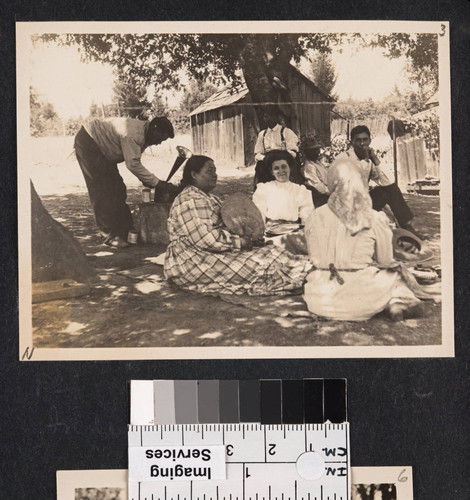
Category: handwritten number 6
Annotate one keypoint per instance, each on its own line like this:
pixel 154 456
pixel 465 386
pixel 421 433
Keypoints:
pixel 401 477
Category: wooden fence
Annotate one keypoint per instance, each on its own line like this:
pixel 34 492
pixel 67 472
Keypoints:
pixel 414 160
pixel 377 125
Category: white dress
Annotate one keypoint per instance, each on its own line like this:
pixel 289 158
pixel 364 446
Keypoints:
pixel 366 289
pixel 283 201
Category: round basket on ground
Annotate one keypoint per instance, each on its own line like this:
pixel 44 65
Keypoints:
pixel 424 275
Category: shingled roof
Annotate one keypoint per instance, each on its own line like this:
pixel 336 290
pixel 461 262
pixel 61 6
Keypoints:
pixel 230 95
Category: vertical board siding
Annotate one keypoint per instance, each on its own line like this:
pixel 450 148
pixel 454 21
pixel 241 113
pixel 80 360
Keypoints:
pixel 228 134
pixel 404 176
pixel 414 160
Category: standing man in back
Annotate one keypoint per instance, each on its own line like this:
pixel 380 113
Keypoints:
pixel 275 137
pixel 99 146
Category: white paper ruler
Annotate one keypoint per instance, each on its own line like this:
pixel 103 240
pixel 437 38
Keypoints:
pixel 262 462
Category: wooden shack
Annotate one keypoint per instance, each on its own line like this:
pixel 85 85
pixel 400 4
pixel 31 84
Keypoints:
pixel 225 126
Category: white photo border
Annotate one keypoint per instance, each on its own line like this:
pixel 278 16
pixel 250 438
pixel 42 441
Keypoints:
pixel 28 352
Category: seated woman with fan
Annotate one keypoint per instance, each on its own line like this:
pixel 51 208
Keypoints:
pixel 205 256
pixel 284 205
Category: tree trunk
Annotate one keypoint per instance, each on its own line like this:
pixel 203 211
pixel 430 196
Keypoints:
pixel 256 78
pixel 55 252
pixel 265 71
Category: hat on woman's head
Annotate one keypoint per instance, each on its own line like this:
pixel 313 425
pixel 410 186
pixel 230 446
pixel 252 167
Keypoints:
pixel 408 247
pixel 309 143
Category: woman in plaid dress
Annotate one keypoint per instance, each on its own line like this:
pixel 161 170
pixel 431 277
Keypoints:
pixel 203 256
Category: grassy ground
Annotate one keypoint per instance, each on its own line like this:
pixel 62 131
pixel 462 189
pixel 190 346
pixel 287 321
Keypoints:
pixel 129 310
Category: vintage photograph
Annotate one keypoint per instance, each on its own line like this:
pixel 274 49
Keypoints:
pixel 100 494
pixel 368 483
pixel 234 190
pixel 382 483
pixel 374 492
pixel 105 484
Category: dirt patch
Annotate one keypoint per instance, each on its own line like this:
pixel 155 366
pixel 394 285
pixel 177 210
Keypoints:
pixel 124 310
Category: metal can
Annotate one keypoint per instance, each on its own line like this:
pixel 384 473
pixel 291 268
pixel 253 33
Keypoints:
pixel 146 195
pixel 132 237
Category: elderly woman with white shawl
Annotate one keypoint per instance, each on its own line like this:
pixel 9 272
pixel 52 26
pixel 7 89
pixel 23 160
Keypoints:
pixel 351 246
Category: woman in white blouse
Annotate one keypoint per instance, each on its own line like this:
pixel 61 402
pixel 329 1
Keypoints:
pixel 283 203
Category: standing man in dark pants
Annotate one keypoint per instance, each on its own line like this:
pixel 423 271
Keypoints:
pixel 99 146
pixel 386 192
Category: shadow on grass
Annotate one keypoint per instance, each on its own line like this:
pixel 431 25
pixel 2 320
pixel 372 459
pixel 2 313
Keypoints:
pixel 125 309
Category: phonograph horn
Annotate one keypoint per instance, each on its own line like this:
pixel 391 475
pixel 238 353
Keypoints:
pixel 183 155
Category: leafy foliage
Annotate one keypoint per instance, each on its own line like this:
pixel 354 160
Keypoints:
pixel 72 126
pixel 195 94
pixel 323 72
pixel 337 146
pixel 218 58
pixel 401 104
pixel 44 120
pixel 129 98
pixel 261 59
pixel 420 48
pixel 427 86
pixel 427 127
pixel 158 58
pixel 356 108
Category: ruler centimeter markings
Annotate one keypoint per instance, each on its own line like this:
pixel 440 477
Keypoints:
pixel 260 461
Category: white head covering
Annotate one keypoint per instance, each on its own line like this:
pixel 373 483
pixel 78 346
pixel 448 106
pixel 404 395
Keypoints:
pixel 349 199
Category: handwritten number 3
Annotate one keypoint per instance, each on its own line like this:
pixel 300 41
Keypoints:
pixel 443 30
